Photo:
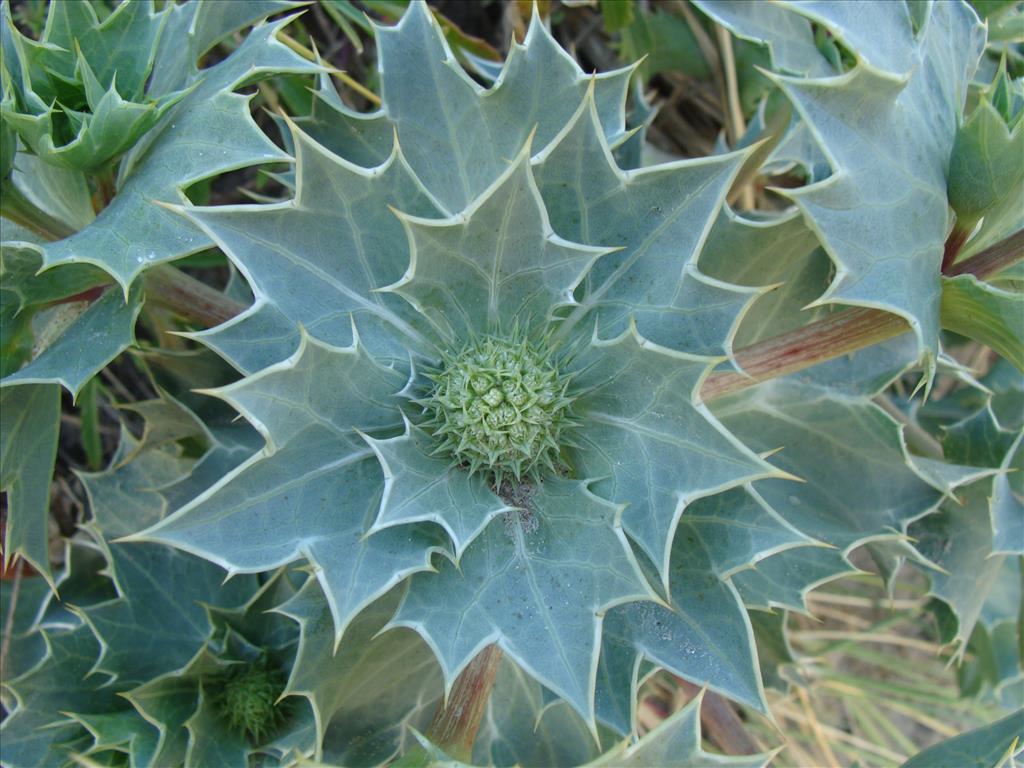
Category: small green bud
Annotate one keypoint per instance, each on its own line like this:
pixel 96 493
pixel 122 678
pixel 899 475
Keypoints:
pixel 247 699
pixel 499 406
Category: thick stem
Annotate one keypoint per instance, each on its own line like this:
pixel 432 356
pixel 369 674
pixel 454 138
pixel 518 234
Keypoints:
pixel 840 334
pixel 455 723
pixel 954 243
pixel 844 332
pixel 992 260
pixel 23 211
pixel 189 298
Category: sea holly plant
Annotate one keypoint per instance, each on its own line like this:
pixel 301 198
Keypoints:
pixel 494 421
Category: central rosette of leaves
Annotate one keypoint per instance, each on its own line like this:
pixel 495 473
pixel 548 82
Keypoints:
pixel 501 407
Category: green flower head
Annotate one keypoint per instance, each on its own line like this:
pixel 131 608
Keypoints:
pixel 500 407
pixel 247 699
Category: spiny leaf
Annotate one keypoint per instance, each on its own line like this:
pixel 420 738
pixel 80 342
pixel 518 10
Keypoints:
pixel 242 636
pixel 314 489
pixel 520 727
pixel 338 241
pixel 458 137
pixel 989 745
pixel 25 645
pixel 209 743
pixel 207 132
pixel 28 288
pixel 528 584
pixel 984 169
pixel 34 733
pixel 1007 503
pixel 704 634
pixel 676 741
pixel 658 219
pixel 193 28
pixel 82 348
pixel 418 487
pixel 157 623
pixel 76 96
pixel 888 140
pixel 858 482
pixel 643 428
pixel 363 690
pixel 29 425
pixel 789 38
pixel 783 580
pixel 58 192
pixel 494 266
pixel 878 32
pixel 778 251
pixel 958 538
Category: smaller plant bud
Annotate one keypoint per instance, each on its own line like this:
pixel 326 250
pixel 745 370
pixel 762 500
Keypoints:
pixel 247 699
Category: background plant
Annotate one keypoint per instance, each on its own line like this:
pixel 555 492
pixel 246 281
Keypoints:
pixel 668 531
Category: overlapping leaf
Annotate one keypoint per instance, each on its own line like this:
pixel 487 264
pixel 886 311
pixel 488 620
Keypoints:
pixel 658 218
pixel 317 260
pixel 36 733
pixel 646 432
pixel 888 128
pixel 315 488
pixel 364 691
pixel 676 741
pixel 818 430
pixel 458 137
pixel 76 97
pixel 497 265
pixel 209 131
pixel 29 424
pixel 536 583
pixel 419 486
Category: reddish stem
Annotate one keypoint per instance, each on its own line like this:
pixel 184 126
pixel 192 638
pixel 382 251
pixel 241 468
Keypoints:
pixel 992 260
pixel 836 335
pixel 456 722
pixel 189 298
pixel 721 723
pixel 844 332
pixel 954 243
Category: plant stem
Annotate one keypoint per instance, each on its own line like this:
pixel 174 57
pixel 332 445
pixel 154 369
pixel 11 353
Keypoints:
pixel 954 243
pixel 723 726
pixel 189 298
pixel 106 188
pixel 456 722
pixel 23 211
pixel 992 260
pixel 831 337
pixel 844 332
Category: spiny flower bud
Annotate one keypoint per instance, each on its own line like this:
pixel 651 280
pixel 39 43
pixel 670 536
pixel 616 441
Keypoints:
pixel 247 699
pixel 499 406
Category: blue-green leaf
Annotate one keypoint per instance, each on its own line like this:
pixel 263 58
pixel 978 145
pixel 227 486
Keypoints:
pixel 314 489
pixel 209 131
pixel 528 584
pixel 888 134
pixel 29 426
pixel 644 429
pixel 418 486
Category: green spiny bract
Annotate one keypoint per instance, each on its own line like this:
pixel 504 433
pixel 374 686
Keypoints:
pixel 247 698
pixel 77 97
pixel 500 407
